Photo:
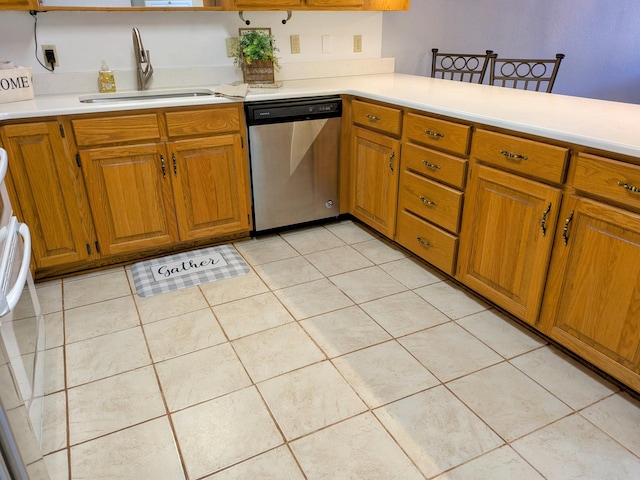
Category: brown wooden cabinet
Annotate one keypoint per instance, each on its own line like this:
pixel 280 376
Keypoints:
pixel 49 190
pixel 317 4
pixel 18 5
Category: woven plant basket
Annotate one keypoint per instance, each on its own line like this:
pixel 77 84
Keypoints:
pixel 260 71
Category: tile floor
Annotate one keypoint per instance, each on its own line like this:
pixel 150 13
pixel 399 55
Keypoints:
pixel 337 357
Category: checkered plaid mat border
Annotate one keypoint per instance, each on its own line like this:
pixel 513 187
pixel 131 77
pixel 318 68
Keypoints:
pixel 147 286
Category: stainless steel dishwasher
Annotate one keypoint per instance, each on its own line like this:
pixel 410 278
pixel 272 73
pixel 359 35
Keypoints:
pixel 294 147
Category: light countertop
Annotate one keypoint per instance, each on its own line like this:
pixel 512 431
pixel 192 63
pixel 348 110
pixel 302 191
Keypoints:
pixel 610 126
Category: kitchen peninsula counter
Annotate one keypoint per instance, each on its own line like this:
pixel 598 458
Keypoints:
pixel 605 125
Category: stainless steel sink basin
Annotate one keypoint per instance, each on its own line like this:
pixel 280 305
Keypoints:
pixel 145 95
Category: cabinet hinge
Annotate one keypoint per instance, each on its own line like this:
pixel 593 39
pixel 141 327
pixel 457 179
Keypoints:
pixel 78 160
pixel 97 245
pixel 61 130
pixel 88 249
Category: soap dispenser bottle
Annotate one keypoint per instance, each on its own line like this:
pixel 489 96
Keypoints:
pixel 106 81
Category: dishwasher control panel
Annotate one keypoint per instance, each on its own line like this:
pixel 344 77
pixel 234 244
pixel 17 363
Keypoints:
pixel 293 110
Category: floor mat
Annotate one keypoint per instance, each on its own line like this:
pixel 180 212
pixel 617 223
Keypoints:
pixel 182 270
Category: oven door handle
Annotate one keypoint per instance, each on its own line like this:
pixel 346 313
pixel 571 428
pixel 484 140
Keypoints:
pixel 16 291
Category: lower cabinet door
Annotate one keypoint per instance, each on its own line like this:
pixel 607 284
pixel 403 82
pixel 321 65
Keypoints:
pixel 592 300
pixel 507 234
pixel 131 197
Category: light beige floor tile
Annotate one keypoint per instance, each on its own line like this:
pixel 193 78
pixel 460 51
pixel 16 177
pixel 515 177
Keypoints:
pixel 145 451
pixel 186 333
pixel 171 304
pixel 313 239
pixel 451 300
pixel 572 383
pixel 251 315
pixel 54 329
pixel 100 318
pixel 338 260
pixel 311 299
pixel 95 287
pixel 54 424
pixel 309 399
pixel 117 402
pixel 57 465
pixel 573 448
pixel 53 370
pixel 358 448
pixel 436 430
pixel 449 351
pixel 261 250
pixel 404 313
pixel 235 288
pixel 618 416
pixel 384 373
pixel 277 464
pixel 379 251
pixel 200 376
pixel 276 351
pixel 50 296
pixel 106 355
pixel 224 431
pixel 521 406
pixel 344 331
pixel 412 273
pixel 286 273
pixel 501 464
pixel 351 232
pixel 501 333
pixel 367 284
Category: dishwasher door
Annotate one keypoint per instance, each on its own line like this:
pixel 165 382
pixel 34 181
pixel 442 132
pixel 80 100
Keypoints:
pixel 294 172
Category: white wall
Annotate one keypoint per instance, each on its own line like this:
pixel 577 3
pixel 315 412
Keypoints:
pixel 601 38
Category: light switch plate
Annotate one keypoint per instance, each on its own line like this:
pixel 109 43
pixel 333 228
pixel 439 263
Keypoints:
pixel 357 44
pixel 295 44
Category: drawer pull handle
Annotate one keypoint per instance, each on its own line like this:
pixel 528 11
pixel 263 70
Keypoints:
pixel 565 230
pixel 434 134
pixel 431 165
pixel 373 118
pixel 164 167
pixel 391 157
pixel 631 188
pixel 514 156
pixel 424 243
pixel 426 201
pixel 543 222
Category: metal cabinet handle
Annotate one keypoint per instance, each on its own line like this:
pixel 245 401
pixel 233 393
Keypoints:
pixel 513 156
pixel 175 164
pixel 373 118
pixel 543 222
pixel 393 155
pixel 164 168
pixel 434 134
pixel 424 243
pixel 431 165
pixel 631 188
pixel 565 230
pixel 426 201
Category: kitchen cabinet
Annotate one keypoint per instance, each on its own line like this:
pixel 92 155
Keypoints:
pixel 318 4
pixel 49 191
pixel 375 154
pixel 18 5
pixel 432 179
pixel 592 300
pixel 509 220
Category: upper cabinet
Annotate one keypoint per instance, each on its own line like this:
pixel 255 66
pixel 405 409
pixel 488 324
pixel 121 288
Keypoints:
pixel 18 4
pixel 315 4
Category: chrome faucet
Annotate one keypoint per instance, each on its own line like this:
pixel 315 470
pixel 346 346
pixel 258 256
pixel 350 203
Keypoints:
pixel 143 62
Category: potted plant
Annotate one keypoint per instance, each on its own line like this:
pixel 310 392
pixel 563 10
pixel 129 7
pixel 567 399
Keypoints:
pixel 255 54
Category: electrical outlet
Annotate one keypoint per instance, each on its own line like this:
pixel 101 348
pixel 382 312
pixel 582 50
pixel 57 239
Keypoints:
pixel 50 55
pixel 231 46
pixel 357 44
pixel 295 44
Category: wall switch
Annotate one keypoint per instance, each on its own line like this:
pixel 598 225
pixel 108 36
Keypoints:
pixel 50 55
pixel 295 43
pixel 231 46
pixel 326 44
pixel 357 44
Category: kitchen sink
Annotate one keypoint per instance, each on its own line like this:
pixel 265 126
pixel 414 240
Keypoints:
pixel 145 95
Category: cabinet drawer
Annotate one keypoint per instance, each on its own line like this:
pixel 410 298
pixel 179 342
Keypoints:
pixel 381 118
pixel 428 242
pixel 198 122
pixel 606 178
pixel 436 133
pixel 439 166
pixel 519 155
pixel 110 130
pixel 430 200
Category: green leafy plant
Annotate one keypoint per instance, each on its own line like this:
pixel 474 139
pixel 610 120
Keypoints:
pixel 256 45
